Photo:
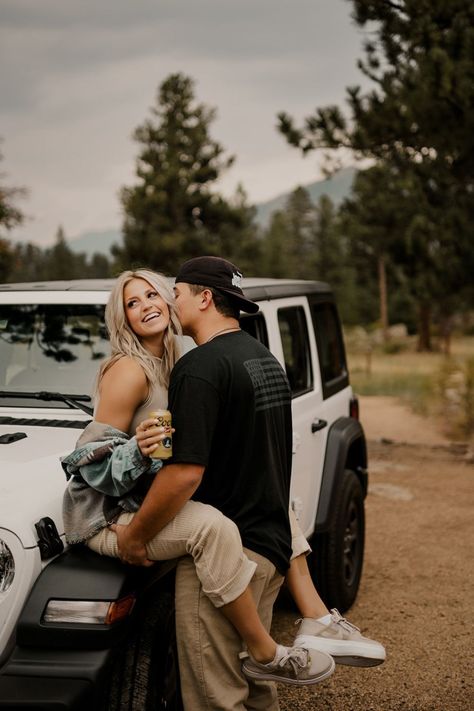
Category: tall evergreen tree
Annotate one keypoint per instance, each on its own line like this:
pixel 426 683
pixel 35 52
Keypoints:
pixel 238 239
pixel 417 120
pixel 10 217
pixel 288 240
pixel 276 246
pixel 300 216
pixel 328 254
pixel 6 259
pixel 99 266
pixel 374 220
pixel 172 213
pixel 29 263
pixel 331 260
pixel 60 262
pixel 304 240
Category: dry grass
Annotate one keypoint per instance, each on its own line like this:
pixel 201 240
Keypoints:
pixel 431 383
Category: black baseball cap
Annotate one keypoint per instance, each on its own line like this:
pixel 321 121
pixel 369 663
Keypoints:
pixel 219 274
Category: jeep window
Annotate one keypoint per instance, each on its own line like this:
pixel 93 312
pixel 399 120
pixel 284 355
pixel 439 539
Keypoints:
pixel 332 358
pixel 296 349
pixel 51 347
pixel 255 325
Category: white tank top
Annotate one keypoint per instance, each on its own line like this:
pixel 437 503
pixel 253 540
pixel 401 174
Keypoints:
pixel 157 400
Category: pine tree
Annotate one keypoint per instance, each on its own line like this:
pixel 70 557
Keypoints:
pixel 10 217
pixel 276 247
pixel 60 262
pixel 418 121
pixel 172 213
pixel 29 263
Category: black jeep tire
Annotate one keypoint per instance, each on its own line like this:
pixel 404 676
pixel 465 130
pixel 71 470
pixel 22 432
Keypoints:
pixel 144 675
pixel 338 555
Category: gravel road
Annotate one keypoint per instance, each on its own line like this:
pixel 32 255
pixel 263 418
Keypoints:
pixel 417 589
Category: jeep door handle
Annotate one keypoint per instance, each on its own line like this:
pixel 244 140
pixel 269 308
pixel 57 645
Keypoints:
pixel 318 425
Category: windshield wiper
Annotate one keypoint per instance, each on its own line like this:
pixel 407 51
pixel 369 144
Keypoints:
pixel 74 401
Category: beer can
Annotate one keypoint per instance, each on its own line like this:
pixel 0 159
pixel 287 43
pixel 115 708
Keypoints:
pixel 164 449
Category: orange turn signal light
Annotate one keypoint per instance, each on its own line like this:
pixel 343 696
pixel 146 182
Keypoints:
pixel 120 609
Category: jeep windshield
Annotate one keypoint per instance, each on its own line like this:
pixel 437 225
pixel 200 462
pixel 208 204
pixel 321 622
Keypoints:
pixel 50 349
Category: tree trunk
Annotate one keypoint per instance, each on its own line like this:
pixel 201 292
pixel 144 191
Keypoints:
pixel 383 296
pixel 446 329
pixel 424 327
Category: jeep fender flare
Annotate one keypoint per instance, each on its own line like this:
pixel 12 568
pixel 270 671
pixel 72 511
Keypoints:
pixel 66 665
pixel 76 574
pixel 345 449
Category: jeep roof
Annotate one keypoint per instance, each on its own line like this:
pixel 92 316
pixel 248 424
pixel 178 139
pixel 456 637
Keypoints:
pixel 256 288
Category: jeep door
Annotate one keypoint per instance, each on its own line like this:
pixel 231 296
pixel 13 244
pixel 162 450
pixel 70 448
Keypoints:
pixel 292 340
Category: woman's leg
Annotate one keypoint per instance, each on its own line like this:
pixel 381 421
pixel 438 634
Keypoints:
pixel 320 629
pixel 242 613
pixel 298 578
pixel 224 570
pixel 302 589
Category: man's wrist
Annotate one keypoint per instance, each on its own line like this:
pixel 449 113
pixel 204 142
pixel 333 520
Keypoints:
pixel 134 534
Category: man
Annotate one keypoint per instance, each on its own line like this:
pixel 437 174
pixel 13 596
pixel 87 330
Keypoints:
pixel 231 407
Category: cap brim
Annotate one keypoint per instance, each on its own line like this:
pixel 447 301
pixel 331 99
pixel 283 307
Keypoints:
pixel 250 307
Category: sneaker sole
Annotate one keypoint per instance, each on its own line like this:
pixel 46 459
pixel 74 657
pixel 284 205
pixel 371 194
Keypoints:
pixel 359 656
pixel 357 661
pixel 268 676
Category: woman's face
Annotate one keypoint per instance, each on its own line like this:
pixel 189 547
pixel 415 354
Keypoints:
pixel 147 313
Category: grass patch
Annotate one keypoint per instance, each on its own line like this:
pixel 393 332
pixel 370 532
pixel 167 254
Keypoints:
pixel 404 385
pixel 422 380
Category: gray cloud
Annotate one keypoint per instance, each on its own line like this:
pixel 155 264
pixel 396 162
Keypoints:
pixel 79 76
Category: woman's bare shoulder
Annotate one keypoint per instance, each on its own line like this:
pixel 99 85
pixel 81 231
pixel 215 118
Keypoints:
pixel 127 372
pixel 122 389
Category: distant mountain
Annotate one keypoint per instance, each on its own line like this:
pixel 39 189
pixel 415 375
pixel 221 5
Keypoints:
pixel 100 241
pixel 337 188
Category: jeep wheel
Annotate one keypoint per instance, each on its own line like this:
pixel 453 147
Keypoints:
pixel 145 676
pixel 338 555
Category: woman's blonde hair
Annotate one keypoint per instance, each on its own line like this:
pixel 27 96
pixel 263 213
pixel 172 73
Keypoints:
pixel 124 342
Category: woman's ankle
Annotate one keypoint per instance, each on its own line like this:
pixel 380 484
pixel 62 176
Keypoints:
pixel 263 653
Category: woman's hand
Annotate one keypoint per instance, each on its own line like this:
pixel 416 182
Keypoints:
pixel 149 434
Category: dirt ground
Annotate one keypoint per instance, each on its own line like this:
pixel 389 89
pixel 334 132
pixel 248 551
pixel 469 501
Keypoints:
pixel 417 589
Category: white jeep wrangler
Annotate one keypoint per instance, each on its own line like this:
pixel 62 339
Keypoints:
pixel 75 628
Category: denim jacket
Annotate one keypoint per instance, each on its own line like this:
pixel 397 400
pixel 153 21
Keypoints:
pixel 107 474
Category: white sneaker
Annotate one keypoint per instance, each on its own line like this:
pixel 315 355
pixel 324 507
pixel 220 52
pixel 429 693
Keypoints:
pixel 291 665
pixel 341 639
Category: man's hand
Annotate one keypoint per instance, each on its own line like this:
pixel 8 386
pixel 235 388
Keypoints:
pixel 130 551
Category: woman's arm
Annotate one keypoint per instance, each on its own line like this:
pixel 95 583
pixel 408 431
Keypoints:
pixel 122 390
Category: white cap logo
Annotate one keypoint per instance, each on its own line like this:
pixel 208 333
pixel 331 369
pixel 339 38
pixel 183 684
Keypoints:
pixel 237 279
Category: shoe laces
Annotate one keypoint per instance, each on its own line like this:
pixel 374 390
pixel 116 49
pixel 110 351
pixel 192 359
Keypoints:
pixel 296 657
pixel 338 619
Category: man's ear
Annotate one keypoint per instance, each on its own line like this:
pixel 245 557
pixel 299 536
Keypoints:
pixel 206 299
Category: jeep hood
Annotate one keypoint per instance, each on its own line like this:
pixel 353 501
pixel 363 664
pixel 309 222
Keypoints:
pixel 31 486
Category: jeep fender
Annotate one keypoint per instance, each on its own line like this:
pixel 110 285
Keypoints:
pixel 63 665
pixel 345 449
pixel 76 574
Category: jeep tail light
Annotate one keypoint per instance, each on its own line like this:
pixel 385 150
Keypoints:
pixel 354 408
pixel 88 612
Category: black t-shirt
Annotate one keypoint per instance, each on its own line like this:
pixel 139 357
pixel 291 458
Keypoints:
pixel 231 408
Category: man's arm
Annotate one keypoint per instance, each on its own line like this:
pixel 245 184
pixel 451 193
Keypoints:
pixel 171 489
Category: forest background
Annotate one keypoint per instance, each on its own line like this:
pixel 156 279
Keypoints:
pixel 397 250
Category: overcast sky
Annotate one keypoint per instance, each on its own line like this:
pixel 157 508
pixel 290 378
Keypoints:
pixel 78 77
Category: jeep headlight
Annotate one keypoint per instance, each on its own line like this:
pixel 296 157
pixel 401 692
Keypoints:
pixel 7 567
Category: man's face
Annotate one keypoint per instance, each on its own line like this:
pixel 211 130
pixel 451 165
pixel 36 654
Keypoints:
pixel 187 307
